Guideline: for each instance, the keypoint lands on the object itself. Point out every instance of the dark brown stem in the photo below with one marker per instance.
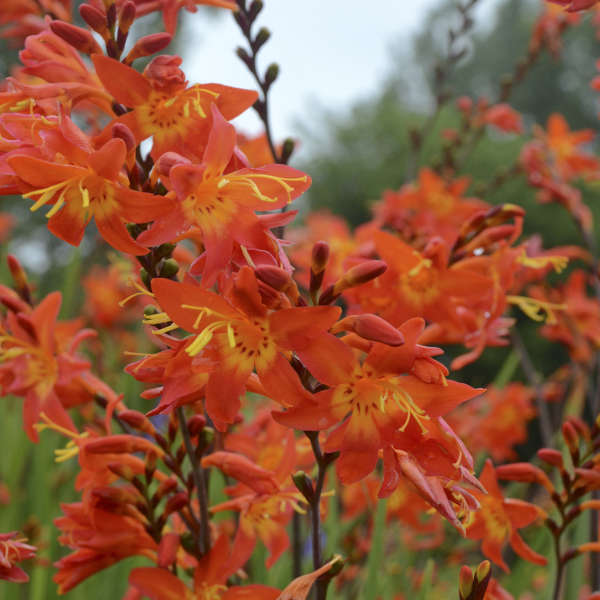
(245, 17)
(323, 462)
(199, 482)
(296, 546)
(560, 569)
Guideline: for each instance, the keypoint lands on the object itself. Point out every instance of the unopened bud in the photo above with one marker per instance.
(165, 250)
(81, 39)
(261, 38)
(271, 74)
(169, 268)
(464, 104)
(287, 149)
(150, 310)
(145, 277)
(304, 484)
(148, 45)
(276, 277)
(254, 9)
(120, 444)
(279, 279)
(127, 16)
(167, 549)
(94, 17)
(196, 424)
(122, 132)
(165, 487)
(122, 471)
(19, 277)
(168, 160)
(524, 472)
(243, 55)
(571, 438)
(175, 503)
(320, 257)
(465, 583)
(362, 273)
(370, 327)
(483, 570)
(207, 437)
(551, 456)
(137, 420)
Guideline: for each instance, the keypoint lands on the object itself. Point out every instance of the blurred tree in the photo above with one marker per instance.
(354, 157)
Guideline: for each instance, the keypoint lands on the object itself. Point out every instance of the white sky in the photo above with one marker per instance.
(330, 52)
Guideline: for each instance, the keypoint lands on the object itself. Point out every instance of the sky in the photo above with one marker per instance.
(330, 52)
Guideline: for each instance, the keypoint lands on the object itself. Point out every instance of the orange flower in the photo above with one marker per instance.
(241, 335)
(177, 118)
(222, 203)
(498, 519)
(12, 551)
(90, 184)
(374, 400)
(419, 284)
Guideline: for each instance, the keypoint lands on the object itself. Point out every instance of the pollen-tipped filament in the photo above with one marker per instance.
(404, 401)
(47, 193)
(71, 449)
(206, 335)
(282, 181)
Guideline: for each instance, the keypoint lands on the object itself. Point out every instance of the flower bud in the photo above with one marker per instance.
(261, 38)
(304, 484)
(137, 420)
(81, 39)
(196, 424)
(524, 472)
(371, 327)
(127, 16)
(243, 470)
(147, 45)
(167, 549)
(122, 132)
(175, 503)
(287, 149)
(169, 268)
(19, 277)
(120, 444)
(94, 17)
(279, 279)
(551, 456)
(271, 74)
(168, 160)
(571, 438)
(465, 583)
(165, 488)
(362, 273)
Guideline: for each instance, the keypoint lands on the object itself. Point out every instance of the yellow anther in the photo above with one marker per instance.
(186, 110)
(71, 449)
(157, 319)
(141, 291)
(85, 195)
(559, 263)
(405, 402)
(423, 263)
(537, 310)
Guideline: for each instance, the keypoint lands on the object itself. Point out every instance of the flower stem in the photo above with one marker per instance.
(323, 462)
(199, 482)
